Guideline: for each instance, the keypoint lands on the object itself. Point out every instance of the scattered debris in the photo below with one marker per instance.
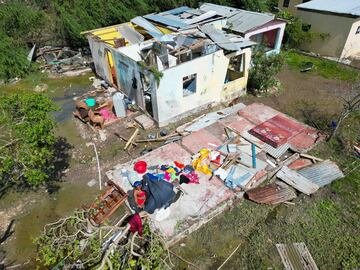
(296, 257)
(131, 139)
(277, 130)
(274, 193)
(144, 121)
(297, 181)
(60, 60)
(227, 164)
(306, 66)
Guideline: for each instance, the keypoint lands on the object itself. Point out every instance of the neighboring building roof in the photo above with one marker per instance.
(239, 20)
(346, 7)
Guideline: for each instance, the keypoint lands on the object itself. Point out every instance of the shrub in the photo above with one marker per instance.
(263, 71)
(296, 32)
(13, 61)
(27, 140)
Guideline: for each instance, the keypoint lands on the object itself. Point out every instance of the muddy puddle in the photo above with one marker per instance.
(45, 208)
(66, 102)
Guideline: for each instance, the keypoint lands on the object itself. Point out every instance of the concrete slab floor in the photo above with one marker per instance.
(199, 201)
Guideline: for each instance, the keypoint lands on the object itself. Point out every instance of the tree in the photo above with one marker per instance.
(74, 242)
(350, 106)
(255, 5)
(26, 140)
(296, 32)
(20, 25)
(263, 71)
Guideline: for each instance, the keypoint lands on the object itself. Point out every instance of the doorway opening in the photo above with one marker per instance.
(111, 67)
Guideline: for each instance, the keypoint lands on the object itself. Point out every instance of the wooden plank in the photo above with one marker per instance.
(131, 139)
(297, 181)
(305, 255)
(296, 256)
(311, 157)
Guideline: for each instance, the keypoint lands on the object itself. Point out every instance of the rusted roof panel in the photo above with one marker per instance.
(296, 257)
(322, 173)
(272, 194)
(297, 181)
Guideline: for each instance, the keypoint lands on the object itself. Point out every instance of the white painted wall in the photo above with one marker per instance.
(98, 53)
(211, 71)
(279, 37)
(131, 51)
(352, 45)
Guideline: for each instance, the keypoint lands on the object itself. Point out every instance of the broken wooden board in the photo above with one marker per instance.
(297, 181)
(144, 121)
(296, 256)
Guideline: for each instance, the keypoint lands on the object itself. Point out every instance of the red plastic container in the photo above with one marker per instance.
(140, 166)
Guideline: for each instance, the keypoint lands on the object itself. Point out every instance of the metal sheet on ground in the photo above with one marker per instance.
(297, 181)
(322, 173)
(277, 130)
(273, 193)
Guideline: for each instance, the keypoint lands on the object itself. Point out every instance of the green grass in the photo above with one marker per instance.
(323, 67)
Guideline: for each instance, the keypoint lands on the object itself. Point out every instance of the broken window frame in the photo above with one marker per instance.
(187, 80)
(238, 70)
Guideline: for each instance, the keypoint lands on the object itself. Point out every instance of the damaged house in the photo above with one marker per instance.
(178, 61)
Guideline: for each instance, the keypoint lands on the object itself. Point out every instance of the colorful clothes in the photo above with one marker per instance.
(136, 224)
(140, 197)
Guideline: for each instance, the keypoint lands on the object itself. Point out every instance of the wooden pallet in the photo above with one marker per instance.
(107, 203)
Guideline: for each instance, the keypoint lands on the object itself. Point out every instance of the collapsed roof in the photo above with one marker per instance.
(239, 20)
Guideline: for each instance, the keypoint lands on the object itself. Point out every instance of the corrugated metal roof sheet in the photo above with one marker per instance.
(297, 181)
(130, 34)
(148, 26)
(221, 10)
(276, 152)
(322, 173)
(166, 21)
(351, 7)
(219, 37)
(272, 194)
(296, 256)
(244, 21)
(177, 10)
(239, 20)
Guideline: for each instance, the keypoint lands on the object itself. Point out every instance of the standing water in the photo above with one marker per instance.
(41, 207)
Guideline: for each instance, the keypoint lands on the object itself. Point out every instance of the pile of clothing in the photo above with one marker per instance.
(154, 186)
